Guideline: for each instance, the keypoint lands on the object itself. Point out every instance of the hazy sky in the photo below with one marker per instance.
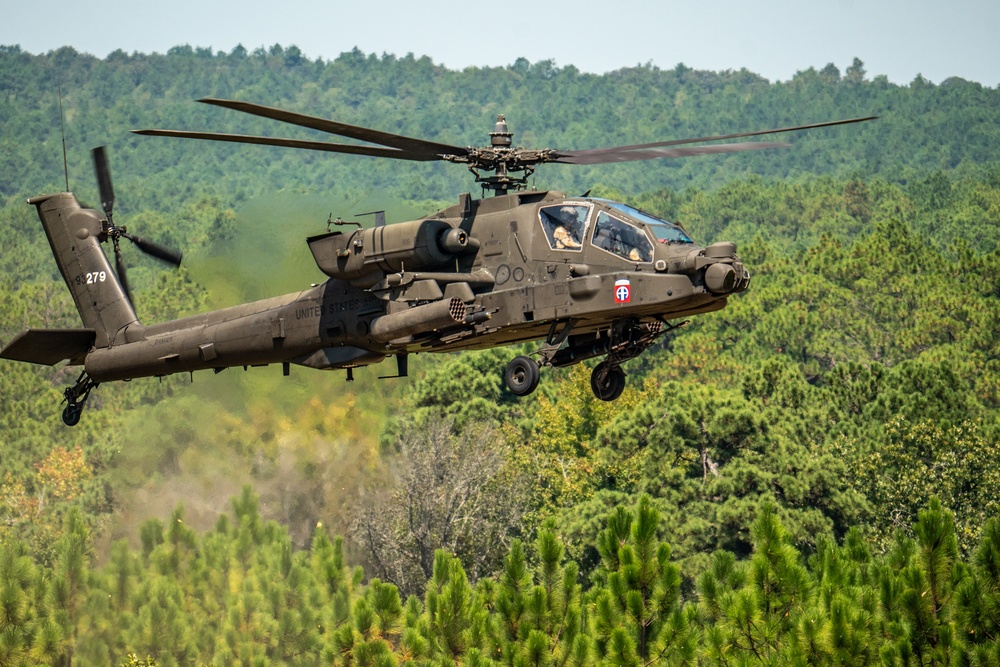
(774, 38)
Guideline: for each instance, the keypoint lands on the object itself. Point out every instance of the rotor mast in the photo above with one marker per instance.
(502, 159)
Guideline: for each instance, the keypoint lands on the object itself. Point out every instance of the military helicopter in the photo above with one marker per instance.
(585, 276)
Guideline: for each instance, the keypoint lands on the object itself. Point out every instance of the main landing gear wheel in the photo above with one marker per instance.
(71, 414)
(521, 375)
(608, 382)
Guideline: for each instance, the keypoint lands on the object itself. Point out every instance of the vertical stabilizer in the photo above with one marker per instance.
(75, 235)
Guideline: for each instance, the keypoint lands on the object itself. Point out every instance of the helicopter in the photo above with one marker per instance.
(585, 276)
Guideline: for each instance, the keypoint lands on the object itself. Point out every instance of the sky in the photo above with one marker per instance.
(774, 38)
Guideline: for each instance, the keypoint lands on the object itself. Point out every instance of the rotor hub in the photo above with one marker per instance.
(500, 137)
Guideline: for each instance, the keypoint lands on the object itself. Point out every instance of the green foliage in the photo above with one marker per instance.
(464, 387)
(208, 599)
(978, 600)
(29, 631)
(920, 459)
(638, 615)
(757, 611)
(785, 447)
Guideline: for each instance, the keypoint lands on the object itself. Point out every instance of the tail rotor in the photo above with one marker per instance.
(116, 232)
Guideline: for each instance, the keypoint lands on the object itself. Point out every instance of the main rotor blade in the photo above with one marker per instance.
(398, 141)
(104, 179)
(158, 251)
(720, 137)
(624, 154)
(374, 151)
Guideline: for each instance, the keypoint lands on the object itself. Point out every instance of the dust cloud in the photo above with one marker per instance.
(307, 443)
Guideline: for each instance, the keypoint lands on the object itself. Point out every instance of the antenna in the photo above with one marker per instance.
(379, 217)
(62, 130)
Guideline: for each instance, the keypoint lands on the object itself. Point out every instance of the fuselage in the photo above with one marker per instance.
(479, 274)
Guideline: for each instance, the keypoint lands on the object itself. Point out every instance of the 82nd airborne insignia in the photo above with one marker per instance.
(623, 291)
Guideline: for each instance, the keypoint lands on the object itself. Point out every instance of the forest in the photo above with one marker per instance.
(806, 477)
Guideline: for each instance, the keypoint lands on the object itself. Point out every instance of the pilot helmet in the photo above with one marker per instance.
(569, 216)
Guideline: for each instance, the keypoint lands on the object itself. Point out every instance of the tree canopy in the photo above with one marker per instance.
(807, 476)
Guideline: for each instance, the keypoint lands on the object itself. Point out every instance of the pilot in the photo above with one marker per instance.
(637, 255)
(632, 246)
(567, 235)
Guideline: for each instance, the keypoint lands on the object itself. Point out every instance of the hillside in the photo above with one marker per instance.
(794, 438)
(923, 127)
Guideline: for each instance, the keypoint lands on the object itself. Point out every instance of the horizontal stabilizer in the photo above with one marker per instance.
(49, 346)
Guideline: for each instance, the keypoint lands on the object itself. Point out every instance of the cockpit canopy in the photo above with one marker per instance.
(616, 228)
(667, 232)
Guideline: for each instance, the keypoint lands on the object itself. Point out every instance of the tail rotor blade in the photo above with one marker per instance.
(158, 251)
(115, 232)
(122, 275)
(104, 179)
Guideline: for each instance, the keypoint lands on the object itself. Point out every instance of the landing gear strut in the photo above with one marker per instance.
(625, 339)
(522, 373)
(628, 339)
(75, 397)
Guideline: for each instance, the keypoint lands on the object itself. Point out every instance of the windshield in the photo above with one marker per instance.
(668, 232)
(621, 238)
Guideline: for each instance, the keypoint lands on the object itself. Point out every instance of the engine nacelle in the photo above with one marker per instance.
(409, 246)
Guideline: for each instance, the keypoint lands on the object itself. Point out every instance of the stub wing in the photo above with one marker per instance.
(50, 346)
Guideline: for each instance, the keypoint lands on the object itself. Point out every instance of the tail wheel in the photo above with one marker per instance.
(75, 397)
(607, 382)
(522, 375)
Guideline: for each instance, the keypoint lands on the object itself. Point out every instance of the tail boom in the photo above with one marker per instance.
(75, 235)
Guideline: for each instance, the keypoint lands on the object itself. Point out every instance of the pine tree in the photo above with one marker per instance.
(29, 633)
(69, 585)
(638, 617)
(918, 584)
(756, 606)
(977, 601)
